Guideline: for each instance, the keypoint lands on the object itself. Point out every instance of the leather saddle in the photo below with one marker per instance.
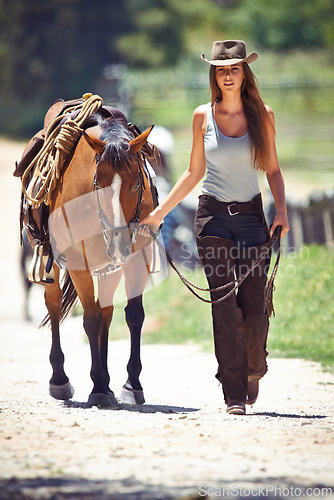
(58, 108)
(35, 144)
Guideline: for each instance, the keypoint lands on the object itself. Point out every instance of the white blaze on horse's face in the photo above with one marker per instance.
(119, 246)
(115, 201)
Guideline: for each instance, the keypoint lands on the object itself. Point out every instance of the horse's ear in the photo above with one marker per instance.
(94, 143)
(139, 141)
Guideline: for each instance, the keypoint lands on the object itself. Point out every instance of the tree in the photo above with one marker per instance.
(58, 45)
(287, 25)
(58, 48)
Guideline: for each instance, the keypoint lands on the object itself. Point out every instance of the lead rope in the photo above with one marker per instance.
(270, 287)
(58, 144)
(236, 284)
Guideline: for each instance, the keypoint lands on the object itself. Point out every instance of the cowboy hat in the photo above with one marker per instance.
(229, 52)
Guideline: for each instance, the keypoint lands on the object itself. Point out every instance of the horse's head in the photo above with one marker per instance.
(122, 188)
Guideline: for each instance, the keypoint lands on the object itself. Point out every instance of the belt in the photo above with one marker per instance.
(235, 207)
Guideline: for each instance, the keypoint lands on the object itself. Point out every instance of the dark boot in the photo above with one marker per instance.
(250, 299)
(217, 255)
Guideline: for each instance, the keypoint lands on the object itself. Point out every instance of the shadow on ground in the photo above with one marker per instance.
(287, 415)
(131, 489)
(134, 408)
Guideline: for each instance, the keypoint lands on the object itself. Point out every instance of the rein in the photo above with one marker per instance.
(236, 283)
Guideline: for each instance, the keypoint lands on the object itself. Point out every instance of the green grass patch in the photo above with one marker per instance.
(170, 316)
(304, 304)
(304, 299)
(175, 315)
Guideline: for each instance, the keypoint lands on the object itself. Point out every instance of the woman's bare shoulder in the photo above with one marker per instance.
(200, 118)
(270, 113)
(201, 110)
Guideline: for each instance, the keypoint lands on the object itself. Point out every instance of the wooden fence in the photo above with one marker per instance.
(310, 222)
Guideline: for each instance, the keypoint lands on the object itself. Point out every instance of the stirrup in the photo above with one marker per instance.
(38, 269)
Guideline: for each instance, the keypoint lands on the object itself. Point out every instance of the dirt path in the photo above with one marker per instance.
(180, 443)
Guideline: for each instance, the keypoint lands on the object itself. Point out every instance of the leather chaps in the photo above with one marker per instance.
(240, 326)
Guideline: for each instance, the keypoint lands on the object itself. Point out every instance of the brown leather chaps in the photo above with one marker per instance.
(240, 325)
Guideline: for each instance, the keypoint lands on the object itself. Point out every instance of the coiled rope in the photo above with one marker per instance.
(58, 144)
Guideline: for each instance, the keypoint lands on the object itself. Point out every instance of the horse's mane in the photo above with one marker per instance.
(117, 137)
(117, 133)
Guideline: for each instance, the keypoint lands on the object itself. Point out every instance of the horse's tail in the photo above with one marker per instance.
(70, 297)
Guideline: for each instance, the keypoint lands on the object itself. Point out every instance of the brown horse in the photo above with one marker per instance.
(94, 212)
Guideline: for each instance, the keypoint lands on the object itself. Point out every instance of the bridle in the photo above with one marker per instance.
(132, 225)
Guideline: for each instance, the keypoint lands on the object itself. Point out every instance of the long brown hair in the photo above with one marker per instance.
(257, 117)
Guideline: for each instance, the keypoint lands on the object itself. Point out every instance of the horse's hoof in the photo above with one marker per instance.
(132, 396)
(63, 392)
(100, 399)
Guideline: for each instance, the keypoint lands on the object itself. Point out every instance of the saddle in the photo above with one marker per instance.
(57, 108)
(35, 144)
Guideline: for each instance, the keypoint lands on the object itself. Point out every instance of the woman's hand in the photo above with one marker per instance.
(281, 219)
(149, 224)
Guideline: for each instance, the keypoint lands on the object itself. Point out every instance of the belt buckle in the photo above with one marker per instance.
(229, 209)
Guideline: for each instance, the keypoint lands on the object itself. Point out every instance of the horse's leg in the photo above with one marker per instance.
(94, 325)
(59, 386)
(110, 284)
(132, 391)
(104, 339)
(136, 274)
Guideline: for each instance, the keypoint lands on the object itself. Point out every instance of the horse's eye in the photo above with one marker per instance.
(136, 186)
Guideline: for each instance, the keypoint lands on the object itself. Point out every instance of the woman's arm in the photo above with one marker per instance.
(188, 180)
(276, 182)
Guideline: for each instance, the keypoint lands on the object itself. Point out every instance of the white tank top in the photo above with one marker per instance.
(229, 172)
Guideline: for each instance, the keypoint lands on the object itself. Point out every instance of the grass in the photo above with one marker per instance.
(305, 307)
(304, 304)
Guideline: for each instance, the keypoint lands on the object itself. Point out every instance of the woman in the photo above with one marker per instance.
(233, 138)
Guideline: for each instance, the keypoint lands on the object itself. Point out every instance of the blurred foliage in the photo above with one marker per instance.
(285, 25)
(53, 49)
(301, 95)
(64, 48)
